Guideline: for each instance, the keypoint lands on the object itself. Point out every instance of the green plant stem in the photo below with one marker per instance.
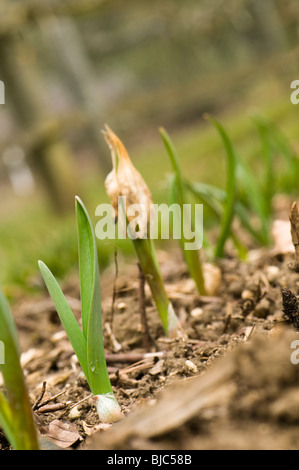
(149, 264)
(192, 257)
(229, 209)
(67, 318)
(195, 268)
(15, 409)
(254, 199)
(215, 199)
(268, 180)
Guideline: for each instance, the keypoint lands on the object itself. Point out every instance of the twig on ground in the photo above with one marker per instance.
(51, 407)
(140, 366)
(249, 332)
(131, 357)
(116, 346)
(75, 404)
(228, 317)
(114, 295)
(46, 406)
(294, 220)
(40, 397)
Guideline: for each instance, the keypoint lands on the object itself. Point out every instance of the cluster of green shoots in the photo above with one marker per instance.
(221, 202)
(244, 195)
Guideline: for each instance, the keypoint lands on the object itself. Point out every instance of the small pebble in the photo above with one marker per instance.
(196, 312)
(74, 413)
(191, 366)
(235, 288)
(157, 368)
(272, 272)
(213, 278)
(121, 306)
(247, 295)
(262, 309)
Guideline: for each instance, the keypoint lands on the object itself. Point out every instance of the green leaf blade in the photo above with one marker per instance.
(15, 410)
(7, 421)
(178, 195)
(86, 261)
(66, 316)
(98, 373)
(231, 189)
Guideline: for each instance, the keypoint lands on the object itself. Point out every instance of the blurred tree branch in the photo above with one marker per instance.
(14, 15)
(67, 53)
(49, 154)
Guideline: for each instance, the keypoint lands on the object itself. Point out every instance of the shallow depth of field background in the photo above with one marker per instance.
(69, 67)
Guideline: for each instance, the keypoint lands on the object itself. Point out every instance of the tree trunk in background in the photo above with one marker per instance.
(70, 59)
(26, 97)
(289, 13)
(271, 24)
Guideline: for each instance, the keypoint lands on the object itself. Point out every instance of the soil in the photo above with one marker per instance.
(238, 331)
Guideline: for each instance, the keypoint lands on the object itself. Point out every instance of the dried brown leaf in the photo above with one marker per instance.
(62, 434)
(89, 430)
(125, 181)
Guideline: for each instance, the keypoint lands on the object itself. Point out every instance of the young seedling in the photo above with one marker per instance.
(256, 194)
(88, 342)
(178, 190)
(250, 200)
(215, 199)
(224, 203)
(16, 416)
(275, 144)
(124, 182)
(229, 209)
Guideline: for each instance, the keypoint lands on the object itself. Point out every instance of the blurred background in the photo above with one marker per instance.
(70, 66)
